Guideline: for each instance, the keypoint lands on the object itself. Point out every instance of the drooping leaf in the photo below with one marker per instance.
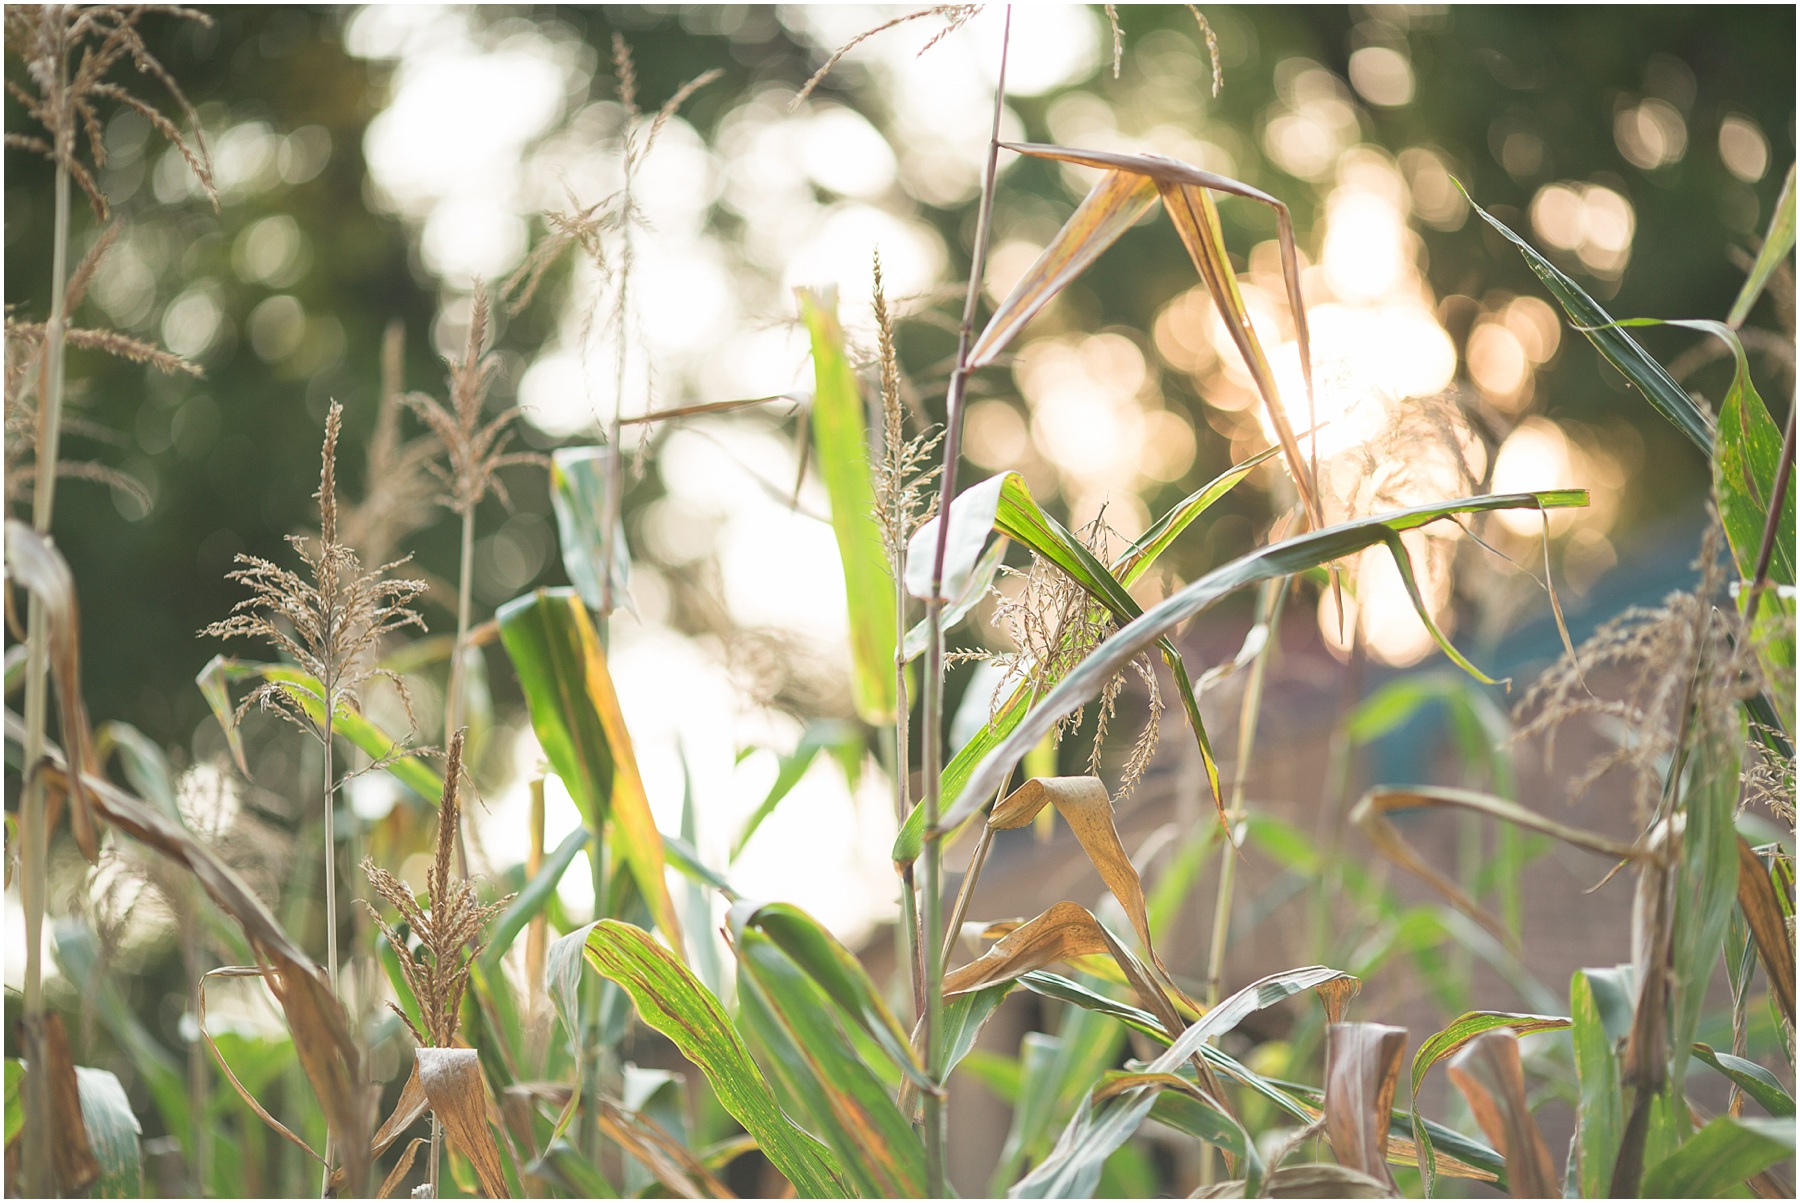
(876, 1146)
(1370, 814)
(668, 1160)
(1086, 807)
(840, 440)
(578, 488)
(1111, 207)
(1362, 1071)
(979, 579)
(1282, 559)
(1186, 194)
(1065, 930)
(674, 1002)
(1620, 350)
(113, 1134)
(1719, 1157)
(576, 714)
(315, 1018)
(1073, 1167)
(1488, 1073)
(34, 563)
(1450, 1041)
(1752, 1079)
(1767, 918)
(1778, 244)
(452, 1081)
(819, 735)
(222, 672)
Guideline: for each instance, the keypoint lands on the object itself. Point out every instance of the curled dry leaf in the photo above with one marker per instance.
(1112, 206)
(1186, 193)
(1065, 930)
(1084, 804)
(315, 1018)
(243, 1092)
(1362, 1070)
(1490, 1078)
(71, 1157)
(1768, 926)
(33, 562)
(397, 1175)
(453, 1083)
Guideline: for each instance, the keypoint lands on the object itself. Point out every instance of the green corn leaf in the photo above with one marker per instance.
(841, 443)
(113, 1134)
(15, 1101)
(1004, 503)
(1142, 555)
(532, 899)
(576, 714)
(1746, 450)
(1752, 1079)
(1445, 1043)
(578, 496)
(1777, 245)
(1281, 559)
(1718, 1158)
(672, 1000)
(979, 577)
(1600, 1002)
(819, 735)
(222, 672)
(835, 970)
(849, 1107)
(1706, 881)
(1128, 568)
(1073, 1167)
(1033, 1109)
(1620, 350)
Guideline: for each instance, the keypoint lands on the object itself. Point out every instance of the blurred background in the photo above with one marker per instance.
(373, 164)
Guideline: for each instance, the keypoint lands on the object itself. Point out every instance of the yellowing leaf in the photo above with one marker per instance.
(1110, 208)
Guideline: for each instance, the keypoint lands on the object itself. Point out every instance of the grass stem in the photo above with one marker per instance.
(33, 828)
(932, 739)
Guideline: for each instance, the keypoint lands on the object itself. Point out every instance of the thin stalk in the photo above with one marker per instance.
(1784, 472)
(931, 753)
(331, 949)
(977, 859)
(902, 768)
(198, 1069)
(589, 1051)
(1249, 714)
(453, 704)
(34, 835)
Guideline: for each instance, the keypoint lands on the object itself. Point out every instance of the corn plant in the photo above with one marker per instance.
(840, 1083)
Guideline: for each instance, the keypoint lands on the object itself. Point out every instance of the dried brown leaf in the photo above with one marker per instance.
(1362, 1071)
(33, 562)
(1490, 1077)
(1768, 925)
(453, 1082)
(71, 1159)
(1111, 207)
